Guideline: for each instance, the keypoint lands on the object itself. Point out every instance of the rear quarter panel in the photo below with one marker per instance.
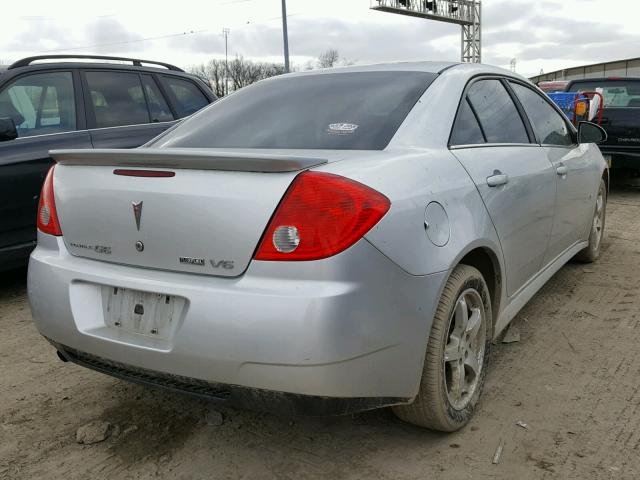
(412, 180)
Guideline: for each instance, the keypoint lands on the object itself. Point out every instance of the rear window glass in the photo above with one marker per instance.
(343, 111)
(616, 93)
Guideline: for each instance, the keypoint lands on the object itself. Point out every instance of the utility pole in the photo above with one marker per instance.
(225, 32)
(285, 35)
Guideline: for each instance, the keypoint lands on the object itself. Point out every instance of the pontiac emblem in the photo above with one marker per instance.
(137, 212)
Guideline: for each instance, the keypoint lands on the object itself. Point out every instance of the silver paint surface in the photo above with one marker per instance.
(351, 325)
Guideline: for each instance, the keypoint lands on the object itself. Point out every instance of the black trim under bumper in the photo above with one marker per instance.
(244, 397)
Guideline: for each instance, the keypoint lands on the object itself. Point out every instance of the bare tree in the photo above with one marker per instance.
(329, 58)
(242, 72)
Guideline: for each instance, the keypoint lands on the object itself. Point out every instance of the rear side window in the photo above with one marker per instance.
(158, 108)
(550, 127)
(188, 97)
(342, 111)
(466, 129)
(40, 104)
(117, 98)
(497, 113)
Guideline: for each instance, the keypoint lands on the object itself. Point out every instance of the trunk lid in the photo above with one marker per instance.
(207, 218)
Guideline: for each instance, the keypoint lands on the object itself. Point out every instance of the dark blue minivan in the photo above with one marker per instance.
(79, 101)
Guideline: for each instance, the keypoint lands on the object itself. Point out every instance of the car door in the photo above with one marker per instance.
(513, 175)
(45, 109)
(572, 165)
(124, 109)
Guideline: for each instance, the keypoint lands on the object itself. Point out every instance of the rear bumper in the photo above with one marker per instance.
(245, 397)
(353, 326)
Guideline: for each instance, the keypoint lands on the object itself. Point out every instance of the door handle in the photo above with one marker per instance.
(561, 170)
(498, 178)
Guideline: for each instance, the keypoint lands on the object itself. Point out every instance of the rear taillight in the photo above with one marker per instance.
(320, 215)
(47, 214)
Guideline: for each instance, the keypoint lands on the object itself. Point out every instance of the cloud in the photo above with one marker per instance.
(538, 34)
(357, 41)
(107, 31)
(40, 34)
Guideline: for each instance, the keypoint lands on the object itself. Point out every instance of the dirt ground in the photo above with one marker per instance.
(573, 378)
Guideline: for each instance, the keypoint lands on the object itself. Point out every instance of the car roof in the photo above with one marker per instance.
(430, 67)
(425, 66)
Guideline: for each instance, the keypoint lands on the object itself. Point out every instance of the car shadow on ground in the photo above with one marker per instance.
(13, 282)
(163, 424)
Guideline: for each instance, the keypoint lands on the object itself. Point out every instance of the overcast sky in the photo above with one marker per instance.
(544, 34)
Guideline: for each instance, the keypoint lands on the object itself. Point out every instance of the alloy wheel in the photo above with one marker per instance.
(465, 348)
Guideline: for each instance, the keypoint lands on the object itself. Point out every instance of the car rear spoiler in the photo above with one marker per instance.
(187, 158)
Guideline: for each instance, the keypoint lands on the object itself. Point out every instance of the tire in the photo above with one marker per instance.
(592, 251)
(440, 404)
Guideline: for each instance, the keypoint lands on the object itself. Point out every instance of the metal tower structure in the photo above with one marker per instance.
(466, 13)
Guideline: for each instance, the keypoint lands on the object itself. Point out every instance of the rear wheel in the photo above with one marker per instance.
(592, 251)
(457, 355)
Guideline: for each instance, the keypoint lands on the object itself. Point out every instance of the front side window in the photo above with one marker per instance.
(498, 115)
(40, 104)
(117, 99)
(188, 98)
(335, 111)
(550, 127)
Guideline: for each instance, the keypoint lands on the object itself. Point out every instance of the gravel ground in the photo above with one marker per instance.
(572, 379)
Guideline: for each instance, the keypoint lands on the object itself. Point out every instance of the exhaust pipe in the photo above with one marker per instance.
(61, 356)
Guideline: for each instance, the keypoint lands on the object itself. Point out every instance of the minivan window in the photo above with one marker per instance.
(550, 127)
(117, 99)
(188, 97)
(40, 103)
(343, 111)
(497, 113)
(466, 129)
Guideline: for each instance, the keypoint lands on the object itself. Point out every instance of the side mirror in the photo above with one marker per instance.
(591, 133)
(8, 129)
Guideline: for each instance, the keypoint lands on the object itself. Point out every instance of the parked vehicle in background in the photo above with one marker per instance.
(51, 102)
(620, 118)
(553, 86)
(321, 242)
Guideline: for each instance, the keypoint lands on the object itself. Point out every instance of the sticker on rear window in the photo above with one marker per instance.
(341, 128)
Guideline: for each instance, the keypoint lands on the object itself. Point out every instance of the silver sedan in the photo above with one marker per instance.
(323, 242)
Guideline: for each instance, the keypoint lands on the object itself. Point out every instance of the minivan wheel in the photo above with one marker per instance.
(592, 251)
(457, 355)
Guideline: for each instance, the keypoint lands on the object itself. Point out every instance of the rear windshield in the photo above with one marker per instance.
(342, 111)
(616, 93)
